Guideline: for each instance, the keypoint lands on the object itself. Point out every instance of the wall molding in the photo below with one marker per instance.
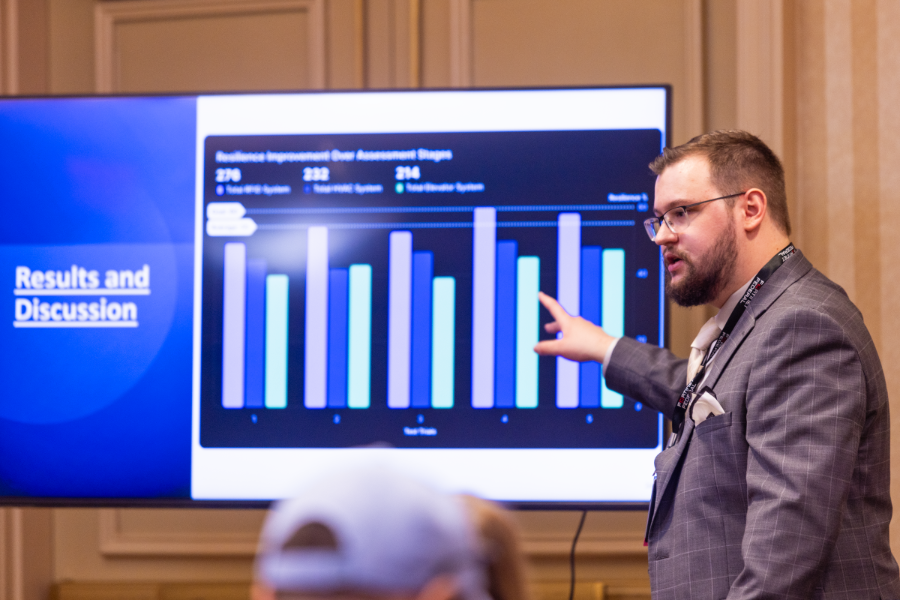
(360, 52)
(461, 51)
(760, 70)
(12, 551)
(9, 47)
(26, 571)
(109, 15)
(415, 43)
(542, 590)
(11, 587)
(462, 56)
(693, 68)
(840, 155)
(596, 545)
(116, 542)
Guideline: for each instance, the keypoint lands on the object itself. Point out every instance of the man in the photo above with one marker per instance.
(370, 534)
(776, 483)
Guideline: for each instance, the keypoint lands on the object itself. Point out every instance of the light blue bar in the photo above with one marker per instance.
(484, 284)
(399, 318)
(315, 356)
(234, 311)
(359, 360)
(568, 290)
(528, 282)
(443, 341)
(276, 341)
(613, 311)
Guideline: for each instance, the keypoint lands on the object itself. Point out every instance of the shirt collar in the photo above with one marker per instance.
(721, 317)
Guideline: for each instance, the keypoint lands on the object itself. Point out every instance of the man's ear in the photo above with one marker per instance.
(441, 587)
(754, 206)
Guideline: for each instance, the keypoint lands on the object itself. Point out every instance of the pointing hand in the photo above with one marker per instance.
(581, 340)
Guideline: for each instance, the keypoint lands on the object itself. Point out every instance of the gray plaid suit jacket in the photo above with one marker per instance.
(786, 494)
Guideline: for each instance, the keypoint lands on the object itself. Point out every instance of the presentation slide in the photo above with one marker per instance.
(376, 284)
(96, 247)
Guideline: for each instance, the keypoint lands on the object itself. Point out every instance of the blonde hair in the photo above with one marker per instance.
(501, 540)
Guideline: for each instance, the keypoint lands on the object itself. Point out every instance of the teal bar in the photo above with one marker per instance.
(359, 348)
(528, 278)
(443, 341)
(613, 318)
(276, 341)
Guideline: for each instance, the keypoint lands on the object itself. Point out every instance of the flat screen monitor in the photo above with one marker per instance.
(218, 298)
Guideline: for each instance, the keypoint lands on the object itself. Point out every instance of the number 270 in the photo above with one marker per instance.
(226, 175)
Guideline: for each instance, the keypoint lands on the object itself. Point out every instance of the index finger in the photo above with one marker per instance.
(548, 347)
(553, 307)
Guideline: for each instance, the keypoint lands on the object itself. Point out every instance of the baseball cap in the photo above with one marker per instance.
(371, 530)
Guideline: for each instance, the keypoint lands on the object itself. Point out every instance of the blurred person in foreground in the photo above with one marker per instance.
(502, 545)
(376, 534)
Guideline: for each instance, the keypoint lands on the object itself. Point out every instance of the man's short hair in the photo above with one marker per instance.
(738, 161)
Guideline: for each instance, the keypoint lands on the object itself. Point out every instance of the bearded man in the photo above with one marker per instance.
(776, 480)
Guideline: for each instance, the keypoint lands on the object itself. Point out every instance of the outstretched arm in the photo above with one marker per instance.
(581, 340)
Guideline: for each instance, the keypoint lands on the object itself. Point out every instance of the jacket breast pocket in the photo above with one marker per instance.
(712, 424)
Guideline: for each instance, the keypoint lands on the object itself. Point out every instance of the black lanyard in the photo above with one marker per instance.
(685, 399)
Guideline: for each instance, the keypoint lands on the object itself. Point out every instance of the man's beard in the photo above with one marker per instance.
(703, 281)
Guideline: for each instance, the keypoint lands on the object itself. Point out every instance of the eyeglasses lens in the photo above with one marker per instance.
(677, 220)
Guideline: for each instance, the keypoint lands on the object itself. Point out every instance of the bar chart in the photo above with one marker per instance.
(254, 343)
(505, 319)
(406, 313)
(337, 329)
(422, 319)
(338, 315)
(591, 283)
(255, 331)
(421, 329)
(505, 315)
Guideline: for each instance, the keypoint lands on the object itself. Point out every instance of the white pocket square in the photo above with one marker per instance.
(703, 405)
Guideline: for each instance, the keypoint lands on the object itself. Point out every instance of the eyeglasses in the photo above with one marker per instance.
(676, 219)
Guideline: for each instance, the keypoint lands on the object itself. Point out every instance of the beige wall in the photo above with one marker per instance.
(848, 184)
(818, 79)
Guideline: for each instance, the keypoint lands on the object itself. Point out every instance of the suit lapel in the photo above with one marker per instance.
(723, 356)
(795, 268)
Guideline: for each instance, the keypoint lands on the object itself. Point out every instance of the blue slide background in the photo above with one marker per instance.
(104, 184)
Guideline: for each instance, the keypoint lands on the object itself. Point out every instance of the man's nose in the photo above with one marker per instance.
(664, 235)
